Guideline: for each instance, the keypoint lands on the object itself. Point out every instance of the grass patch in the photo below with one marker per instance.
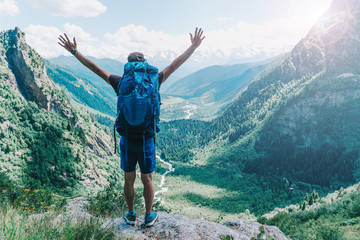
(110, 202)
(336, 220)
(15, 224)
(217, 194)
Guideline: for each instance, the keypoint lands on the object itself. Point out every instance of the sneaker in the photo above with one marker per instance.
(130, 218)
(150, 219)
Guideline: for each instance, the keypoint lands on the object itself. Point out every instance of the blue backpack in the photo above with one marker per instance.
(138, 105)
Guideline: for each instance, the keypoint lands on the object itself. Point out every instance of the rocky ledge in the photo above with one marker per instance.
(169, 226)
(174, 226)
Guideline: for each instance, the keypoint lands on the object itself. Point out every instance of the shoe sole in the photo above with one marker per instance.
(150, 224)
(129, 221)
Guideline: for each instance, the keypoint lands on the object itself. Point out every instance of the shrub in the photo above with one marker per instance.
(327, 232)
(353, 221)
(226, 237)
(111, 201)
(354, 210)
(37, 200)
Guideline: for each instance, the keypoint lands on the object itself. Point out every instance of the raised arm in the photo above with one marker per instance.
(71, 47)
(195, 43)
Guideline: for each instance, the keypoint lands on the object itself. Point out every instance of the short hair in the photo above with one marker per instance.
(136, 57)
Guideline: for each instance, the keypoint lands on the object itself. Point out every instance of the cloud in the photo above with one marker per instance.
(9, 7)
(223, 19)
(74, 30)
(246, 40)
(241, 42)
(44, 39)
(138, 38)
(70, 8)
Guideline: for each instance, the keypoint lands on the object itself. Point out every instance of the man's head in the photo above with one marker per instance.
(136, 57)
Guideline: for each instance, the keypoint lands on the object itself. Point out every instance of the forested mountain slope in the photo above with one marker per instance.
(72, 65)
(45, 141)
(195, 85)
(85, 88)
(300, 120)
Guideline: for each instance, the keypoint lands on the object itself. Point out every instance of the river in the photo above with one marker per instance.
(190, 109)
(162, 186)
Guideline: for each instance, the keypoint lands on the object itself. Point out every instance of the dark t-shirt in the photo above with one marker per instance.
(115, 79)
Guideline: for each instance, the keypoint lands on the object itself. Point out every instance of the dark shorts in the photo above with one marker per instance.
(134, 150)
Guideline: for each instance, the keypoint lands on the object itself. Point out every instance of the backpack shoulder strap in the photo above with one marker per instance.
(153, 73)
(118, 86)
(129, 69)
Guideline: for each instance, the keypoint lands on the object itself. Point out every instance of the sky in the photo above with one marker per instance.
(235, 30)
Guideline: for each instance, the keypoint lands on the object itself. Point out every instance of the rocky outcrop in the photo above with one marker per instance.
(25, 70)
(28, 69)
(75, 211)
(168, 226)
(24, 78)
(99, 143)
(174, 226)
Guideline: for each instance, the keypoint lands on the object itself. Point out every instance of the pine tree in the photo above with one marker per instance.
(7, 149)
(68, 126)
(303, 206)
(306, 198)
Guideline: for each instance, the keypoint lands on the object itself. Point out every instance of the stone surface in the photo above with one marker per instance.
(251, 228)
(75, 211)
(174, 226)
(168, 226)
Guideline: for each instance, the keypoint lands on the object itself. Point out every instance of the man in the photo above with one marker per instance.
(134, 147)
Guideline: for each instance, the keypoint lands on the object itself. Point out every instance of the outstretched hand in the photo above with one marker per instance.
(197, 39)
(66, 43)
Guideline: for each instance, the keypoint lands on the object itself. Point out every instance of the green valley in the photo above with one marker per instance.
(275, 142)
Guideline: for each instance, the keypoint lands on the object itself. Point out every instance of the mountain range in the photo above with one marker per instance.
(201, 95)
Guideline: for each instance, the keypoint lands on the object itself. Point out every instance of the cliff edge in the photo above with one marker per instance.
(175, 226)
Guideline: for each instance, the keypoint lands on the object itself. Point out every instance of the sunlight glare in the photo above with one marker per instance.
(310, 10)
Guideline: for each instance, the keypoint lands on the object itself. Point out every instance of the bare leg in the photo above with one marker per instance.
(148, 191)
(129, 190)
